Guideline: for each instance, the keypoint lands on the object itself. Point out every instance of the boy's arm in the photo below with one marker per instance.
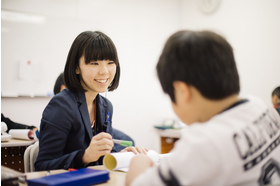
(138, 165)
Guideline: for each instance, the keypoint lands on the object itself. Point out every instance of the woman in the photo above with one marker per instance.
(76, 125)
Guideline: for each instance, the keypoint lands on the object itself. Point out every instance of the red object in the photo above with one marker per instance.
(95, 116)
(71, 169)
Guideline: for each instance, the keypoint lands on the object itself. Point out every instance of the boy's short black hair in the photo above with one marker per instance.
(94, 46)
(202, 59)
(57, 86)
(276, 92)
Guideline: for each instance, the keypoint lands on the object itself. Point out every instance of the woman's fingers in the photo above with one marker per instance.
(102, 139)
(102, 135)
(136, 150)
(141, 150)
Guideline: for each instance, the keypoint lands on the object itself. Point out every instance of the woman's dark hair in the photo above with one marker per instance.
(94, 46)
(276, 91)
(202, 59)
(57, 86)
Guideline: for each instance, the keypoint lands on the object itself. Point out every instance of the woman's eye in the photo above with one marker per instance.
(111, 62)
(93, 63)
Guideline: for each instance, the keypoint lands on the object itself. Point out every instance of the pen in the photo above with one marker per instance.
(122, 142)
(108, 117)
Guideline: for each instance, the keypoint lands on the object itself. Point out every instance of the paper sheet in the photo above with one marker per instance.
(26, 134)
(120, 161)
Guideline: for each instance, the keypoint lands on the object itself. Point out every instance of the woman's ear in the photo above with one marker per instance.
(77, 70)
(182, 91)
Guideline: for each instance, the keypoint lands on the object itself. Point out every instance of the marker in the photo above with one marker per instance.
(123, 142)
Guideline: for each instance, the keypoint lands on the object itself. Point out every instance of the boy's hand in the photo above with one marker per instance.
(138, 165)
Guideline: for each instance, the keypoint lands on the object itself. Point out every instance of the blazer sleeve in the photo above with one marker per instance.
(13, 125)
(58, 118)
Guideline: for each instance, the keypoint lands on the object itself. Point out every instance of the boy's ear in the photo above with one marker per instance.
(62, 87)
(275, 99)
(182, 91)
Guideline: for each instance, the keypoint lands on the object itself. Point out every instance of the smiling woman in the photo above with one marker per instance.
(96, 76)
(76, 127)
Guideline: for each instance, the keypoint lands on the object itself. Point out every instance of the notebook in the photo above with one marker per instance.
(81, 177)
(120, 161)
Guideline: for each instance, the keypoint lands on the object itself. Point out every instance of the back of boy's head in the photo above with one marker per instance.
(276, 92)
(57, 86)
(202, 59)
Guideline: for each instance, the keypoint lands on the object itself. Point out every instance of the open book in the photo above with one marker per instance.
(120, 161)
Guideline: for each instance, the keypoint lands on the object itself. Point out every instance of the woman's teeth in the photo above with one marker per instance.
(101, 81)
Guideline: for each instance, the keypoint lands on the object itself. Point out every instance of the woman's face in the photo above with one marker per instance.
(96, 76)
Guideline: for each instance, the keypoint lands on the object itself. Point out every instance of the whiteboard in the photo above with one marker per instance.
(34, 54)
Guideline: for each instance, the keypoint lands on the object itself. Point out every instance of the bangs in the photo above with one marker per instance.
(100, 48)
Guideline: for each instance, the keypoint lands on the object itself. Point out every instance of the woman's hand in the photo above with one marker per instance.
(136, 150)
(100, 145)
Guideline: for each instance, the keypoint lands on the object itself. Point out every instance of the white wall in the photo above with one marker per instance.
(252, 27)
(139, 30)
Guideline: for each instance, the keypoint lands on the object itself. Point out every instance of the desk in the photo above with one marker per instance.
(168, 138)
(116, 178)
(16, 143)
(12, 153)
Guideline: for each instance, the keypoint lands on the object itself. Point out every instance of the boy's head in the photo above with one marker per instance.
(275, 96)
(203, 60)
(59, 84)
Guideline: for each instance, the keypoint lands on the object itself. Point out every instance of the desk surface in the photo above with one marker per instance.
(16, 142)
(116, 178)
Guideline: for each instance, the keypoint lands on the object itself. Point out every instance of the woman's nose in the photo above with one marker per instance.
(103, 69)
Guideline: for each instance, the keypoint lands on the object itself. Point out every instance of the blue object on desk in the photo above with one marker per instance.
(81, 177)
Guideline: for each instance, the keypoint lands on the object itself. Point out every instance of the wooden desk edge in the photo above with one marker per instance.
(16, 143)
(172, 133)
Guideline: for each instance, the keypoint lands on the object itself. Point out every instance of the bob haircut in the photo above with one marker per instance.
(202, 59)
(94, 46)
(59, 81)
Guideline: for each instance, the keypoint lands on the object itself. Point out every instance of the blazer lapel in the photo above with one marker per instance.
(100, 113)
(84, 113)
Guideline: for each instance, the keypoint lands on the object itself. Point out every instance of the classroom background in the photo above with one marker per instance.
(36, 36)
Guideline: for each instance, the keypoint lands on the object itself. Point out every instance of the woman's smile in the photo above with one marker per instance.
(102, 81)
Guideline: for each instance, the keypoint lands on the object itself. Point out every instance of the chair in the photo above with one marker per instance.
(30, 156)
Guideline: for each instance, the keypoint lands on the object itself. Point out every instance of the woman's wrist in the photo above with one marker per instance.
(85, 158)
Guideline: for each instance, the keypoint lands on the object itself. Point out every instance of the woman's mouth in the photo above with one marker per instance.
(101, 80)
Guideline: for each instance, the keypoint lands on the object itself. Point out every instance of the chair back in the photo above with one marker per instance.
(30, 156)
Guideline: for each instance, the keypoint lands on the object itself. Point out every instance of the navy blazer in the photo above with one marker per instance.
(65, 130)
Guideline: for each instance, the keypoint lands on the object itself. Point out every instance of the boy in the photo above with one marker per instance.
(275, 98)
(230, 140)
